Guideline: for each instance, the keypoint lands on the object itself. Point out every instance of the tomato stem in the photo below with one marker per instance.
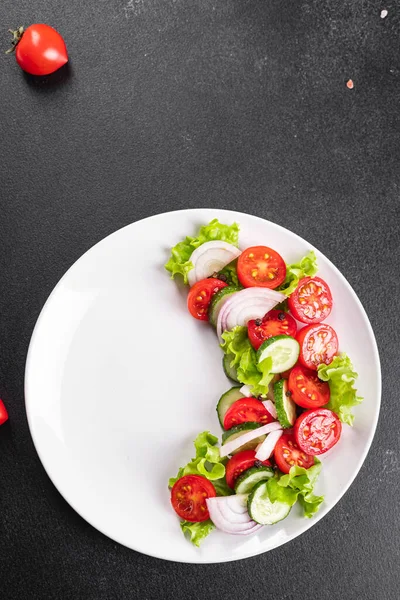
(17, 36)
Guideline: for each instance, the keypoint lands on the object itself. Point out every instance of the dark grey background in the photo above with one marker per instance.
(170, 104)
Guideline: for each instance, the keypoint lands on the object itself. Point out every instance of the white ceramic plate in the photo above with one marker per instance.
(120, 379)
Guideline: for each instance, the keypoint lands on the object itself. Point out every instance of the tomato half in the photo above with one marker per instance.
(275, 322)
(40, 49)
(311, 301)
(318, 344)
(3, 413)
(307, 390)
(188, 497)
(287, 454)
(200, 295)
(246, 410)
(260, 266)
(241, 462)
(316, 431)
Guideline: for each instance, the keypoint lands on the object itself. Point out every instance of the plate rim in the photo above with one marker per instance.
(308, 524)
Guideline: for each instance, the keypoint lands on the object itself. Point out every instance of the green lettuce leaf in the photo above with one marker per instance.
(179, 261)
(230, 273)
(340, 375)
(298, 484)
(306, 267)
(244, 359)
(207, 461)
(197, 531)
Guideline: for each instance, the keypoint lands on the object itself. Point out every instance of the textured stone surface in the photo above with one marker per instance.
(169, 104)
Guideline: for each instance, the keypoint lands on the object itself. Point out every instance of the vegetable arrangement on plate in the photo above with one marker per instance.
(293, 389)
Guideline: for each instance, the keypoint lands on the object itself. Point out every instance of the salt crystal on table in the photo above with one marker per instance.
(384, 13)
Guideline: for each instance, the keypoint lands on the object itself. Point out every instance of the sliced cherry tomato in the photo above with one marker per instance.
(260, 266)
(316, 431)
(3, 413)
(246, 410)
(287, 454)
(188, 497)
(200, 295)
(40, 49)
(308, 391)
(275, 322)
(311, 301)
(318, 344)
(241, 462)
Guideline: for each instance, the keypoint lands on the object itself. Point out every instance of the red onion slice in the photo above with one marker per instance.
(250, 303)
(230, 447)
(270, 406)
(211, 257)
(246, 391)
(268, 445)
(226, 520)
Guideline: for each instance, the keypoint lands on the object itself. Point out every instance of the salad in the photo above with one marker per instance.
(291, 389)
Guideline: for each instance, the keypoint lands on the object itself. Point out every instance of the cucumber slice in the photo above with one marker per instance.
(262, 510)
(226, 401)
(248, 479)
(285, 407)
(284, 351)
(235, 432)
(217, 302)
(230, 372)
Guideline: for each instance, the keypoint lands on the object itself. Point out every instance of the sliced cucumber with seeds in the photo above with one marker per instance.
(226, 401)
(284, 351)
(217, 302)
(239, 430)
(248, 479)
(285, 407)
(230, 371)
(262, 510)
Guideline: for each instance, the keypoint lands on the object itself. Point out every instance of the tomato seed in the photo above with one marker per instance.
(199, 298)
(302, 301)
(271, 276)
(303, 389)
(251, 255)
(266, 256)
(254, 272)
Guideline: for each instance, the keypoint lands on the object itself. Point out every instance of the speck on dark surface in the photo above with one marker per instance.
(170, 104)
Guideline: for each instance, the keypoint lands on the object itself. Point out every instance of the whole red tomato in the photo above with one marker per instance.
(39, 50)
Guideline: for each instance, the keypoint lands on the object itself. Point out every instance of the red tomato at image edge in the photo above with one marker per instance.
(3, 413)
(40, 49)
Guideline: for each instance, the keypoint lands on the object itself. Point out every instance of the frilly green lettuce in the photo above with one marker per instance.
(306, 267)
(243, 357)
(298, 484)
(179, 262)
(340, 375)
